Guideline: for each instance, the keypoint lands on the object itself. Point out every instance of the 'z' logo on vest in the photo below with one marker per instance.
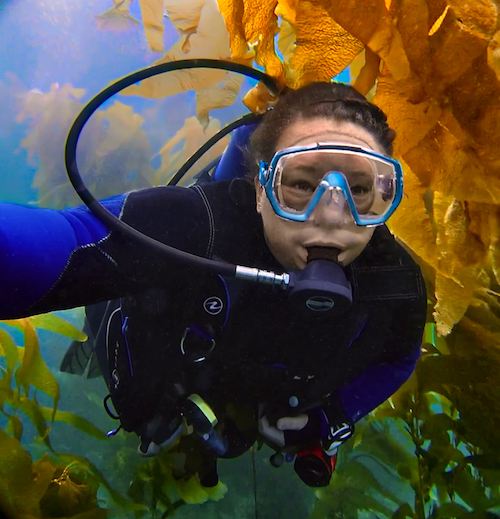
(213, 305)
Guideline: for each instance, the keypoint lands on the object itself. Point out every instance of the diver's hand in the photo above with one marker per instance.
(292, 430)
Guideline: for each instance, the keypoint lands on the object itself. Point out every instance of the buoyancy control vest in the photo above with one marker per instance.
(228, 340)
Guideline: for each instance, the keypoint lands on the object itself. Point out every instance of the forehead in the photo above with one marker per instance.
(309, 131)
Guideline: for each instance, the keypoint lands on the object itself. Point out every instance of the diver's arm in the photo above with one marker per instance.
(51, 260)
(375, 385)
(36, 246)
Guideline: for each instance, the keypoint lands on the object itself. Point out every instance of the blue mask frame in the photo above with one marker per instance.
(333, 179)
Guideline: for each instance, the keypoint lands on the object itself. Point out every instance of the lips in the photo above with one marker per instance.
(328, 253)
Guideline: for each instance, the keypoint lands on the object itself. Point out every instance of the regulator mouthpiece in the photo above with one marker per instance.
(321, 287)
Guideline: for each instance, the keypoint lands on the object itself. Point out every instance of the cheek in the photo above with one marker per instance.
(358, 245)
(281, 237)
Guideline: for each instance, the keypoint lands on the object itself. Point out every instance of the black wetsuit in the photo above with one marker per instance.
(264, 351)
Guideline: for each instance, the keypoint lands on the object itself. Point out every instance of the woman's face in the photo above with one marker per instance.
(327, 226)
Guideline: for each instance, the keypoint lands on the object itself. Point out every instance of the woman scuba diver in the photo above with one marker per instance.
(241, 361)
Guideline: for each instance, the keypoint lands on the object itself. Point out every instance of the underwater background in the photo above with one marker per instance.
(431, 451)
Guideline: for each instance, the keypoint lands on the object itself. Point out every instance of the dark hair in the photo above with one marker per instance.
(318, 100)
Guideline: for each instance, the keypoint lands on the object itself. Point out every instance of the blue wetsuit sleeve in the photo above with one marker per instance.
(36, 246)
(375, 385)
(52, 260)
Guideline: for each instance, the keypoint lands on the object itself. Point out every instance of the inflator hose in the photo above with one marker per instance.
(103, 214)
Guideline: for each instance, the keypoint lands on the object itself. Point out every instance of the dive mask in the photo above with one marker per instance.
(355, 180)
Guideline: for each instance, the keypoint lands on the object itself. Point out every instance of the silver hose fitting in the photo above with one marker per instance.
(262, 276)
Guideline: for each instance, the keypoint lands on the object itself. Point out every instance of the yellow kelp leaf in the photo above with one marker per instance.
(285, 43)
(462, 37)
(437, 24)
(413, 120)
(117, 18)
(494, 54)
(189, 139)
(446, 261)
(9, 350)
(252, 25)
(258, 99)
(411, 223)
(33, 370)
(453, 298)
(56, 324)
(233, 13)
(475, 103)
(152, 21)
(81, 465)
(494, 223)
(323, 48)
(50, 116)
(192, 492)
(217, 96)
(74, 420)
(374, 28)
(463, 244)
(22, 483)
(366, 78)
(70, 496)
(128, 123)
(458, 169)
(210, 39)
(484, 315)
(479, 225)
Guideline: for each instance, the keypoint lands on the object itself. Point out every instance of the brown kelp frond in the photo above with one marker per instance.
(113, 140)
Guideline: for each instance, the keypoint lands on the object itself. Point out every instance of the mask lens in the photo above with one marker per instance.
(370, 181)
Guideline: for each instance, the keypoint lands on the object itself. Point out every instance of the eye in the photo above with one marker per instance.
(360, 190)
(303, 186)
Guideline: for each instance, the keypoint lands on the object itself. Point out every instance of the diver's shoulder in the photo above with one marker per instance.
(161, 201)
(239, 191)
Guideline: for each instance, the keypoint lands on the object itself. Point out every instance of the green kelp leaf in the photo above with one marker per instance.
(56, 324)
(15, 323)
(403, 512)
(15, 426)
(76, 421)
(362, 478)
(33, 411)
(471, 491)
(482, 461)
(385, 450)
(436, 425)
(347, 501)
(433, 374)
(22, 484)
(8, 349)
(33, 370)
(432, 338)
(450, 511)
(441, 454)
(6, 392)
(93, 473)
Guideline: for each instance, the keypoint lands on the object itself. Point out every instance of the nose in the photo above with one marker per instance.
(332, 209)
